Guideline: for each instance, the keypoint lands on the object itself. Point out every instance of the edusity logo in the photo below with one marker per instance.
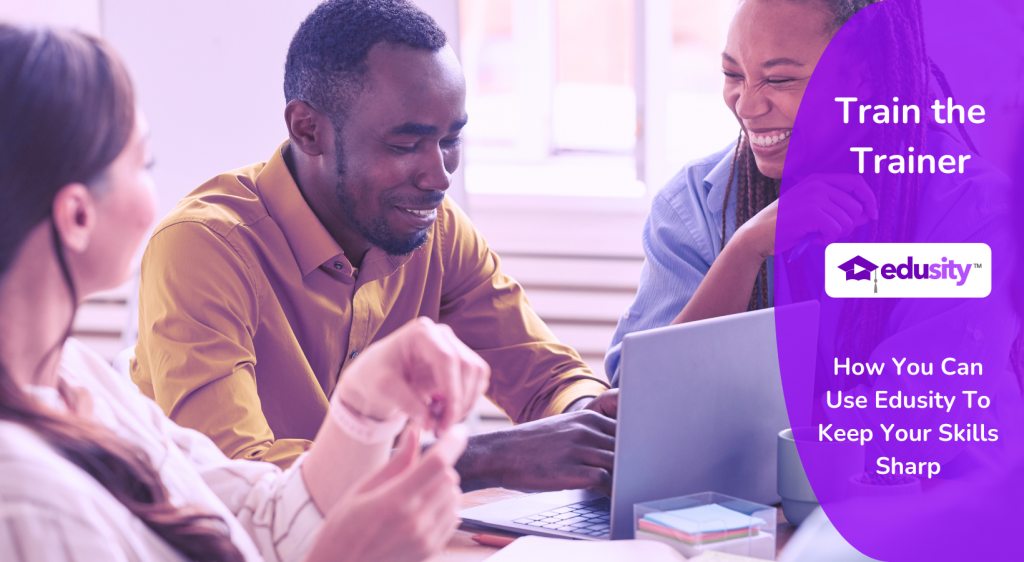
(859, 269)
(908, 270)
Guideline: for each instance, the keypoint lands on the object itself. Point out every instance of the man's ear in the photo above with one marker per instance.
(307, 127)
(74, 216)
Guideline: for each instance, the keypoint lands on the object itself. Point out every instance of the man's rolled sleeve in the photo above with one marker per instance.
(532, 374)
(198, 311)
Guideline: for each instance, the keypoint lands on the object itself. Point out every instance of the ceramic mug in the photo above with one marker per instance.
(842, 459)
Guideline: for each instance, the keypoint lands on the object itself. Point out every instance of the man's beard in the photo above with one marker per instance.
(376, 230)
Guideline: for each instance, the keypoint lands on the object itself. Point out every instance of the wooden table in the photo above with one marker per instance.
(462, 548)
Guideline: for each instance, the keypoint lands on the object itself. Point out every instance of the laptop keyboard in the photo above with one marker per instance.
(588, 519)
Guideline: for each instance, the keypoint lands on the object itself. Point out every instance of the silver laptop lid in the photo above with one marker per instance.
(700, 407)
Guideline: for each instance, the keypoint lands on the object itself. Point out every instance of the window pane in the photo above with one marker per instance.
(700, 122)
(594, 106)
(550, 97)
(488, 59)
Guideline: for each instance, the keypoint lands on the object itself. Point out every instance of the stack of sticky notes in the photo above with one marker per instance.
(701, 525)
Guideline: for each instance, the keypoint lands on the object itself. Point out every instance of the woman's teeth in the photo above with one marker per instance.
(769, 140)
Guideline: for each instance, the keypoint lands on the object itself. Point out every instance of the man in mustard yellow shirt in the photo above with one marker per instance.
(264, 283)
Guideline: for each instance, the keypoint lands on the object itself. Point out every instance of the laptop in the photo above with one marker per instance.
(700, 409)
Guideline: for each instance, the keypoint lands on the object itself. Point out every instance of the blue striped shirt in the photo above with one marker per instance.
(681, 239)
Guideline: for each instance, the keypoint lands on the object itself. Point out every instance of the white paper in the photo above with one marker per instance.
(541, 549)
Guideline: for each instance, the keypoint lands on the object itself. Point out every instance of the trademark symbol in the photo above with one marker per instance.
(977, 266)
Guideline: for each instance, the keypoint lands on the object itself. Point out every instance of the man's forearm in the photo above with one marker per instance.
(489, 455)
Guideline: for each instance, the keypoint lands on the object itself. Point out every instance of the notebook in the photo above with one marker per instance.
(543, 549)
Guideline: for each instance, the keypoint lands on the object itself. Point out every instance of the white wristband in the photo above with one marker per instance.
(366, 430)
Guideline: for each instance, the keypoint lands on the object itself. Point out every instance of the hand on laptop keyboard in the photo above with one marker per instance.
(564, 452)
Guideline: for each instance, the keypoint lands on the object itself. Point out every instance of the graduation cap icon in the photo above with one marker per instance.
(858, 269)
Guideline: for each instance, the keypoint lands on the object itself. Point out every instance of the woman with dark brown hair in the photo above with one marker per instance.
(92, 470)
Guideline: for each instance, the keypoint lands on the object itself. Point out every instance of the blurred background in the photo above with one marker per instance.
(580, 110)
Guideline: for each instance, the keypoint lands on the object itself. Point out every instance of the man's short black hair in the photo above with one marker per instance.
(327, 57)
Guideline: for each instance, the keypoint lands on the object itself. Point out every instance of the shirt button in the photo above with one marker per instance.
(353, 355)
(339, 265)
(626, 314)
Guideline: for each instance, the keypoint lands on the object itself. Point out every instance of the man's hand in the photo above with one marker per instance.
(568, 451)
(606, 404)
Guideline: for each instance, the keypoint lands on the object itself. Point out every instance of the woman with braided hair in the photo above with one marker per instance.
(711, 236)
(92, 470)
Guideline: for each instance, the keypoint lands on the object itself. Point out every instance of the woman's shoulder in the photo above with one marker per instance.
(27, 459)
(117, 402)
(35, 472)
(82, 366)
(47, 503)
(691, 179)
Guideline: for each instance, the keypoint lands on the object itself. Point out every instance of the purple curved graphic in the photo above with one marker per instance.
(921, 103)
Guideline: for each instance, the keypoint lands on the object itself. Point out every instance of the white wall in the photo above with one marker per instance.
(208, 74)
(209, 77)
(79, 14)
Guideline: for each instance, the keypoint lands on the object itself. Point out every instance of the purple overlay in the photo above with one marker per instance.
(910, 422)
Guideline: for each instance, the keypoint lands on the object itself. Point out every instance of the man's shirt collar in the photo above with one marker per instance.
(310, 242)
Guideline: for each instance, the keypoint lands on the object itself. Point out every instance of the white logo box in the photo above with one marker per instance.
(891, 261)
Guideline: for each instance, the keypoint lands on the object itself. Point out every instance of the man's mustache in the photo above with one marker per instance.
(430, 199)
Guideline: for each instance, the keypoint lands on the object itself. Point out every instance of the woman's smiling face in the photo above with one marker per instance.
(770, 53)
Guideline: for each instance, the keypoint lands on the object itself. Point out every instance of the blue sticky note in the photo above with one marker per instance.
(704, 519)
